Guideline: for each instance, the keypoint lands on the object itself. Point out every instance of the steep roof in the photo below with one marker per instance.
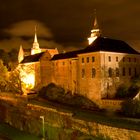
(110, 45)
(100, 44)
(32, 58)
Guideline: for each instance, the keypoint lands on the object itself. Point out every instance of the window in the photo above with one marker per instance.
(123, 71)
(129, 59)
(117, 59)
(83, 73)
(129, 71)
(87, 59)
(63, 63)
(93, 59)
(117, 72)
(93, 72)
(109, 58)
(110, 72)
(123, 59)
(135, 59)
(82, 60)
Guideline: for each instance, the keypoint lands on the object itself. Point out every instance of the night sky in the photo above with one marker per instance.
(66, 24)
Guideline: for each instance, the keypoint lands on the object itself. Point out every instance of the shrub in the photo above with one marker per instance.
(131, 108)
(124, 92)
(52, 92)
(55, 93)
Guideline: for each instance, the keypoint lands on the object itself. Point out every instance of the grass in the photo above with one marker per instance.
(11, 133)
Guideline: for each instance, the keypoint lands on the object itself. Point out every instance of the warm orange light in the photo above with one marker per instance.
(27, 75)
(29, 81)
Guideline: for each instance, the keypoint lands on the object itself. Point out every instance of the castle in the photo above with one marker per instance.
(95, 71)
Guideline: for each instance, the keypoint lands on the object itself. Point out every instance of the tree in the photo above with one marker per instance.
(131, 108)
(3, 76)
(14, 81)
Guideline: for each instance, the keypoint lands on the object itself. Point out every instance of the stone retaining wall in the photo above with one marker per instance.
(60, 125)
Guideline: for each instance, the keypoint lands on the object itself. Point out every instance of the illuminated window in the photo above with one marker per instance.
(129, 59)
(135, 59)
(110, 73)
(123, 59)
(82, 60)
(87, 59)
(117, 72)
(93, 59)
(109, 58)
(93, 72)
(83, 73)
(123, 71)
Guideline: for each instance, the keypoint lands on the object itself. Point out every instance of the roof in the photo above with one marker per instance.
(100, 44)
(110, 45)
(32, 58)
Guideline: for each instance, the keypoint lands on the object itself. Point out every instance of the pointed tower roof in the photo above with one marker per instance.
(95, 25)
(35, 37)
(35, 49)
(35, 43)
(20, 54)
(95, 32)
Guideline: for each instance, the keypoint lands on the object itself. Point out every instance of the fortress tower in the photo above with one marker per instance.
(95, 32)
(35, 49)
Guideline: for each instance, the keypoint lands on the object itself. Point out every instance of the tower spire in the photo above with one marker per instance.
(95, 32)
(35, 49)
(35, 37)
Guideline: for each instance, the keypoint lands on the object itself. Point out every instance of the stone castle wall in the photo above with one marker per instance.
(27, 118)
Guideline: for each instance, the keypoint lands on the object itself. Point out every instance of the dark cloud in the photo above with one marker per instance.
(71, 21)
(27, 28)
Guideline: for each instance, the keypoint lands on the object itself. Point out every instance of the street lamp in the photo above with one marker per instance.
(43, 127)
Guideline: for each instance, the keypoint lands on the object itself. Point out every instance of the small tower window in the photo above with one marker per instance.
(109, 58)
(117, 59)
(93, 59)
(123, 71)
(87, 59)
(82, 60)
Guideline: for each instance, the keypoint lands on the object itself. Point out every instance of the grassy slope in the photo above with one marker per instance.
(15, 134)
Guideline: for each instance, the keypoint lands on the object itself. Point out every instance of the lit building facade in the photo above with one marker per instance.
(94, 72)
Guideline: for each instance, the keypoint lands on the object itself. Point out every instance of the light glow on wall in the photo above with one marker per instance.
(29, 81)
(27, 75)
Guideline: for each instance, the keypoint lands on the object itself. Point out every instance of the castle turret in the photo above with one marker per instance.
(20, 54)
(95, 32)
(35, 49)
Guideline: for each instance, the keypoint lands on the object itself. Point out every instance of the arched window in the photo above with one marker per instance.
(93, 72)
